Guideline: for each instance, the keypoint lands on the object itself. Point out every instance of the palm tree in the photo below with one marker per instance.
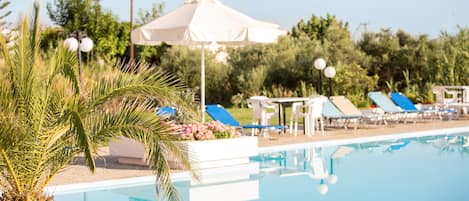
(46, 118)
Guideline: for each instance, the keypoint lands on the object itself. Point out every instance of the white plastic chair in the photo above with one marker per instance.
(316, 163)
(260, 106)
(313, 113)
(296, 111)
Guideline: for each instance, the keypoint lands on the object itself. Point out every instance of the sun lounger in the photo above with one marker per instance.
(331, 112)
(406, 104)
(347, 108)
(219, 113)
(166, 111)
(403, 102)
(390, 109)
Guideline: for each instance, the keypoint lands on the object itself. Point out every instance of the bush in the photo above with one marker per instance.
(184, 63)
(238, 100)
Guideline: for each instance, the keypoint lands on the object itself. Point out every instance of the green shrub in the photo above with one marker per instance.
(237, 100)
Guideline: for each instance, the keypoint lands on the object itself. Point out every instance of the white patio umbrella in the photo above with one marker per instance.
(201, 22)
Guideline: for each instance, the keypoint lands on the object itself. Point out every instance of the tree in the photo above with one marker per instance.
(383, 49)
(46, 118)
(454, 60)
(330, 38)
(71, 14)
(150, 15)
(249, 69)
(111, 37)
(317, 28)
(412, 64)
(151, 54)
(184, 63)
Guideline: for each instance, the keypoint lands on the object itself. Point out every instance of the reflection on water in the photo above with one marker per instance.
(427, 168)
(316, 163)
(234, 183)
(376, 166)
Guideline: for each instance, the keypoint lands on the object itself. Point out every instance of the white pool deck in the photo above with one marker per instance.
(461, 127)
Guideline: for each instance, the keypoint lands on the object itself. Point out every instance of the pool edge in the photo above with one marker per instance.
(180, 176)
(327, 143)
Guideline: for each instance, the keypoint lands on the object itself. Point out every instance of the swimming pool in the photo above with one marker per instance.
(430, 168)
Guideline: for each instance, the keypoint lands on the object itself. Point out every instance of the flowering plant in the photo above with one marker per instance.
(207, 131)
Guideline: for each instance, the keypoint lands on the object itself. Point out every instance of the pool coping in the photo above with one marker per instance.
(110, 184)
(183, 176)
(328, 143)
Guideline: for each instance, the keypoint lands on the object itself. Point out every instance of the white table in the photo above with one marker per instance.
(283, 102)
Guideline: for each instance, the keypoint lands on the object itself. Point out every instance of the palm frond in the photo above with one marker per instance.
(11, 172)
(35, 34)
(149, 83)
(134, 120)
(63, 63)
(82, 138)
(8, 61)
(59, 155)
(163, 176)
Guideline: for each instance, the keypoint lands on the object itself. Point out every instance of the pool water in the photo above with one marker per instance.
(426, 168)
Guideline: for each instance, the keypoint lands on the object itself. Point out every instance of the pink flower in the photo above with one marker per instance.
(208, 131)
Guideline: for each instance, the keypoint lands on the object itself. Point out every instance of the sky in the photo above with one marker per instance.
(414, 16)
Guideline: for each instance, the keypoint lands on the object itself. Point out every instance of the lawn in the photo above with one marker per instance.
(244, 115)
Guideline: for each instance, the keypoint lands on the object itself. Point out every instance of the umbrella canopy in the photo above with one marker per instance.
(200, 22)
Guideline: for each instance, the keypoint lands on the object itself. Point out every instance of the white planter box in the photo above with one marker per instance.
(128, 151)
(232, 183)
(220, 153)
(202, 154)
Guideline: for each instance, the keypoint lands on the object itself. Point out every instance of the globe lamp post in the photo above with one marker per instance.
(320, 64)
(79, 42)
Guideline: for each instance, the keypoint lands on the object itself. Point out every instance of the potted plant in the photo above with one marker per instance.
(207, 145)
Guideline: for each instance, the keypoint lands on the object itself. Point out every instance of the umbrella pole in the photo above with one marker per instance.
(202, 83)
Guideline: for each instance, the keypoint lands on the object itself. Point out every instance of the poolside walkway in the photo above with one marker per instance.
(108, 168)
(340, 133)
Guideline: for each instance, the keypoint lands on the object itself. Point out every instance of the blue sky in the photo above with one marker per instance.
(414, 16)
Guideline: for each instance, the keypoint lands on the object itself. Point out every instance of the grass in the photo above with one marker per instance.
(244, 115)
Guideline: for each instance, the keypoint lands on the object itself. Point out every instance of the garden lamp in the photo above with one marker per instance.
(320, 64)
(329, 72)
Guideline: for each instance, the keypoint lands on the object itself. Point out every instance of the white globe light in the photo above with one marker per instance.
(332, 179)
(322, 189)
(319, 63)
(71, 44)
(86, 44)
(329, 72)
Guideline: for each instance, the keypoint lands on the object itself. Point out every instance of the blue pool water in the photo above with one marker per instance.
(426, 168)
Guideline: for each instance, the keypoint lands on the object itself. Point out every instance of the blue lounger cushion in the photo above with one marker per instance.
(402, 101)
(166, 111)
(219, 113)
(406, 104)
